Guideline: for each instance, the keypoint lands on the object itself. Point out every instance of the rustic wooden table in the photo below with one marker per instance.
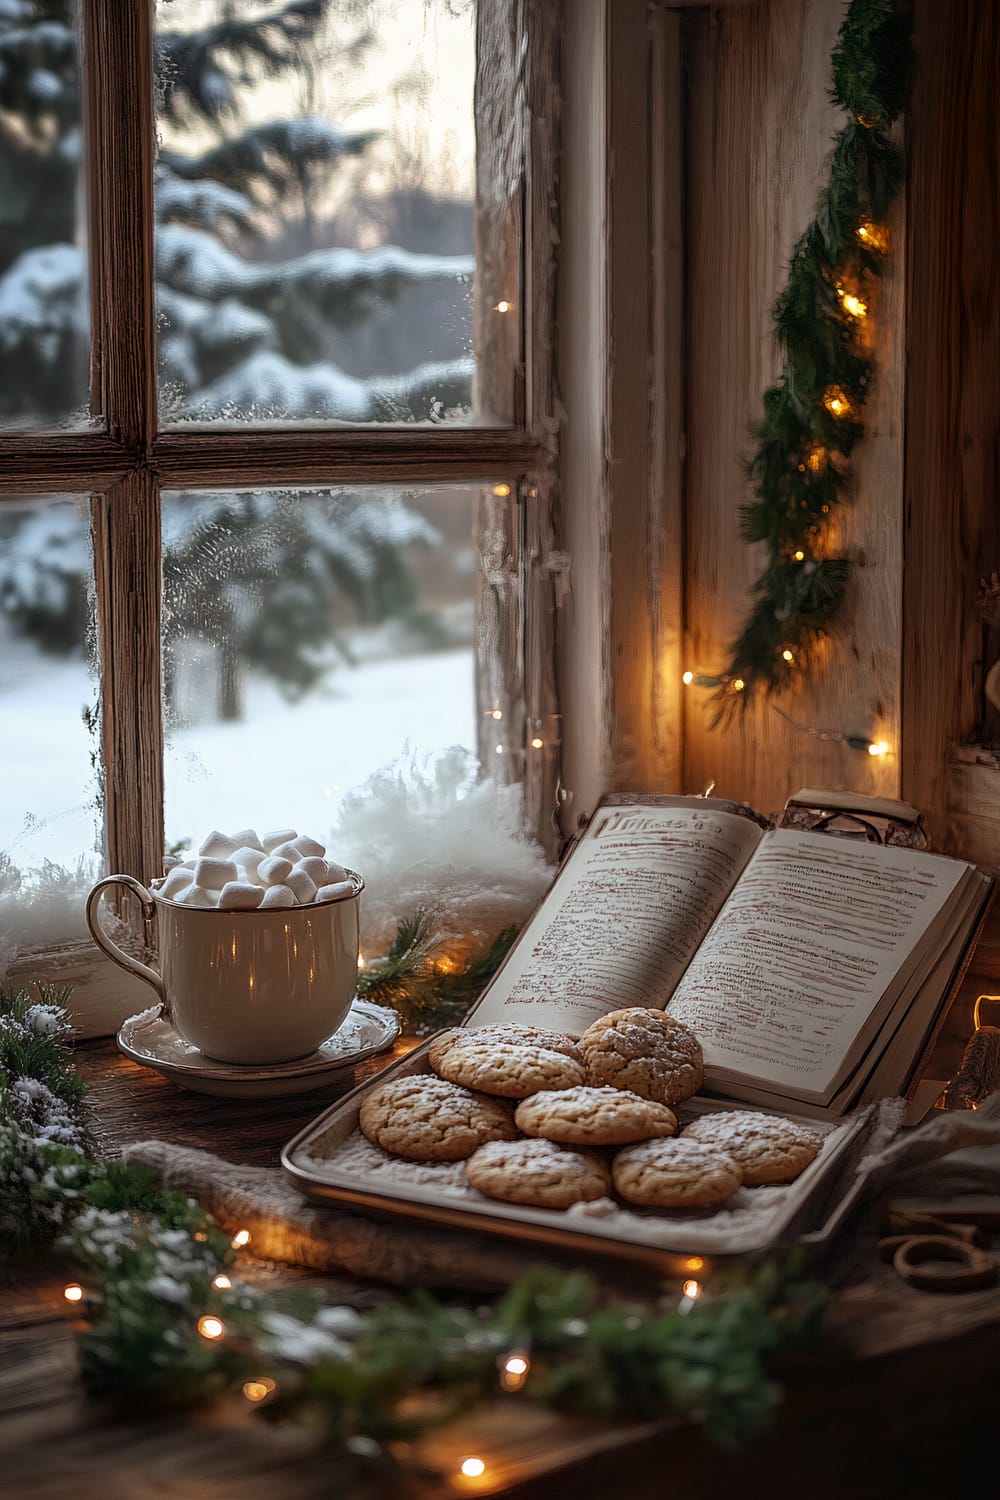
(904, 1409)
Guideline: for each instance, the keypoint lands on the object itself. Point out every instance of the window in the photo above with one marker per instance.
(308, 249)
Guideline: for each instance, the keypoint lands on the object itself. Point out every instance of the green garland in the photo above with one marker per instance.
(429, 990)
(168, 1323)
(813, 415)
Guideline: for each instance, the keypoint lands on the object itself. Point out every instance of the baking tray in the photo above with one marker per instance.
(807, 1211)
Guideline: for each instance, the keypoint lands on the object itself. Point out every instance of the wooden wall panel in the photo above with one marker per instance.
(953, 414)
(760, 125)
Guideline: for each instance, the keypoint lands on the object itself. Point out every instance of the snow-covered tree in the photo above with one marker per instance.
(240, 338)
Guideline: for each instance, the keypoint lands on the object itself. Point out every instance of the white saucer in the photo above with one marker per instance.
(153, 1042)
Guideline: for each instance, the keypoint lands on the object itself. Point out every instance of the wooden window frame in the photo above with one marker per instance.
(126, 460)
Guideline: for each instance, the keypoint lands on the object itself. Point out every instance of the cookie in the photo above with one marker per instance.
(645, 1051)
(589, 1116)
(674, 1174)
(427, 1119)
(538, 1173)
(767, 1147)
(506, 1060)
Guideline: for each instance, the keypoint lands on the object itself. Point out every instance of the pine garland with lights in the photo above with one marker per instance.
(813, 415)
(429, 989)
(169, 1324)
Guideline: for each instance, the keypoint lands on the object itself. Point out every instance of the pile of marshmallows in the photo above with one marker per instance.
(244, 872)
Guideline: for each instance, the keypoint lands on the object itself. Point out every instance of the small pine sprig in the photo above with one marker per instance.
(813, 415)
(429, 991)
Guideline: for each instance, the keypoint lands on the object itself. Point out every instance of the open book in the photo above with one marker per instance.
(812, 967)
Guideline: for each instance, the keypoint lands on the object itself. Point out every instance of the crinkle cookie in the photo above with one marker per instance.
(646, 1051)
(505, 1060)
(674, 1174)
(588, 1116)
(538, 1173)
(426, 1118)
(767, 1147)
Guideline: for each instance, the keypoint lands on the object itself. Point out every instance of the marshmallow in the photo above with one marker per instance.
(196, 895)
(334, 872)
(212, 874)
(288, 851)
(177, 881)
(271, 841)
(335, 892)
(218, 846)
(273, 871)
(248, 859)
(240, 895)
(315, 868)
(278, 895)
(248, 836)
(299, 883)
(307, 846)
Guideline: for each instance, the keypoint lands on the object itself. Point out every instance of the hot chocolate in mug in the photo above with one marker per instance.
(248, 987)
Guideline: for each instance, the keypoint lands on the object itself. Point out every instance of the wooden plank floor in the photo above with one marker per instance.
(905, 1410)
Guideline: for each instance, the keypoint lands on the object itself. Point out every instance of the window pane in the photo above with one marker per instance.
(44, 333)
(315, 211)
(50, 825)
(311, 639)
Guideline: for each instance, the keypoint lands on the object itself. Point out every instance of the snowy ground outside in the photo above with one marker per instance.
(282, 765)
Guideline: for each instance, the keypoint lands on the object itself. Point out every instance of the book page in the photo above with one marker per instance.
(624, 918)
(808, 947)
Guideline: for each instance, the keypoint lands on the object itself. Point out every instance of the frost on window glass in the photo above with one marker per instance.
(44, 332)
(311, 639)
(315, 192)
(50, 823)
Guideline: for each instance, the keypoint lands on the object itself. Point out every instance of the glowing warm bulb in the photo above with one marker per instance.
(472, 1468)
(536, 743)
(514, 1372)
(788, 656)
(221, 1283)
(815, 459)
(853, 305)
(695, 1263)
(259, 1390)
(874, 236)
(799, 555)
(692, 1289)
(211, 1328)
(836, 401)
(240, 1238)
(738, 685)
(502, 490)
(73, 1292)
(502, 306)
(687, 679)
(880, 747)
(361, 959)
(496, 713)
(499, 749)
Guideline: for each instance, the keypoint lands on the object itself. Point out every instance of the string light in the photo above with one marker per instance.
(852, 304)
(836, 401)
(799, 555)
(221, 1282)
(878, 748)
(73, 1292)
(514, 1371)
(495, 713)
(472, 1467)
(873, 236)
(499, 749)
(687, 679)
(240, 1238)
(816, 458)
(788, 656)
(502, 306)
(211, 1328)
(536, 743)
(692, 1289)
(738, 684)
(259, 1389)
(501, 490)
(694, 1263)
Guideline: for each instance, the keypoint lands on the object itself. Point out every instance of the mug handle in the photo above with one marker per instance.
(108, 945)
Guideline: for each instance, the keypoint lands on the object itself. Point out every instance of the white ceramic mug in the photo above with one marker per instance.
(249, 987)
